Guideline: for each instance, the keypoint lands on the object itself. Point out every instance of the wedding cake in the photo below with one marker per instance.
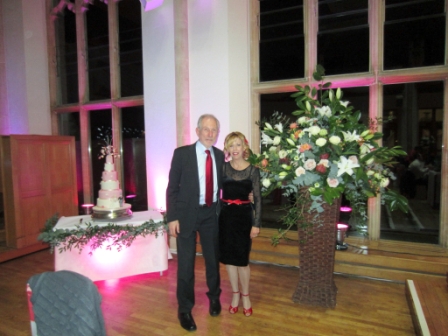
(110, 202)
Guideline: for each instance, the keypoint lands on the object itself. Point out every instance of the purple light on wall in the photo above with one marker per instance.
(151, 4)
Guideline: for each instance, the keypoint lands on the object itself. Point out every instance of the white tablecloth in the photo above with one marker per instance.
(145, 255)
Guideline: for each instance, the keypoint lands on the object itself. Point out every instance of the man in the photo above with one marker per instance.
(190, 210)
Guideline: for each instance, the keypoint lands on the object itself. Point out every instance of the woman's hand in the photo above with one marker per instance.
(254, 232)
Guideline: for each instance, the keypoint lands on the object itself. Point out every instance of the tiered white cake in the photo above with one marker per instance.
(110, 199)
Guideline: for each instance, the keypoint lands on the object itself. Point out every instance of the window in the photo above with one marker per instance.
(98, 78)
(414, 34)
(370, 49)
(343, 38)
(281, 39)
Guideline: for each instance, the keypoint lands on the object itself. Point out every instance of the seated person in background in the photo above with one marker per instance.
(419, 169)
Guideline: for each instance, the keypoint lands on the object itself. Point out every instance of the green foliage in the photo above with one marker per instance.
(108, 236)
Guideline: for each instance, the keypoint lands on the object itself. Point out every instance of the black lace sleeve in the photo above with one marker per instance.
(255, 178)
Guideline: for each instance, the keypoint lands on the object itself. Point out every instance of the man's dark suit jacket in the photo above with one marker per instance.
(182, 193)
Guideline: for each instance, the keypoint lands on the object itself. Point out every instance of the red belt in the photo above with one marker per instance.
(236, 201)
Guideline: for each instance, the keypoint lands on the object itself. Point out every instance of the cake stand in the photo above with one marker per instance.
(123, 212)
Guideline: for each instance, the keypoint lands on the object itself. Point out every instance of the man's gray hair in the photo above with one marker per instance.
(202, 117)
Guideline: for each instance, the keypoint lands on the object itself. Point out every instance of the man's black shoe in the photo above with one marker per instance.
(215, 307)
(187, 322)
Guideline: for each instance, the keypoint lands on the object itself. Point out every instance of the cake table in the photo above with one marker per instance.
(146, 254)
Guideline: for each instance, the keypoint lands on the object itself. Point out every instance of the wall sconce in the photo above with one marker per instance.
(340, 236)
(151, 4)
(87, 208)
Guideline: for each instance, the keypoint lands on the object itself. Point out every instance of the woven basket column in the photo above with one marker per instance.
(316, 285)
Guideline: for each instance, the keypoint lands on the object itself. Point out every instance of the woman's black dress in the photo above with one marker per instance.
(236, 221)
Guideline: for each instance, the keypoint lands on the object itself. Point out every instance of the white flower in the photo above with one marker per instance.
(282, 154)
(303, 120)
(335, 140)
(365, 148)
(300, 171)
(272, 149)
(346, 166)
(323, 132)
(384, 182)
(324, 162)
(266, 183)
(313, 130)
(370, 172)
(266, 139)
(350, 136)
(353, 158)
(332, 182)
(277, 140)
(268, 125)
(310, 164)
(344, 103)
(324, 111)
(279, 126)
(321, 142)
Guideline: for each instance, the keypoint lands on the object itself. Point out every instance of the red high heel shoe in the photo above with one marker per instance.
(233, 310)
(247, 312)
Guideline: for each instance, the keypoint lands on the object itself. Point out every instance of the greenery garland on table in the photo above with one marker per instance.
(111, 235)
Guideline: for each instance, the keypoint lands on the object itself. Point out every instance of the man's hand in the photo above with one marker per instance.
(174, 228)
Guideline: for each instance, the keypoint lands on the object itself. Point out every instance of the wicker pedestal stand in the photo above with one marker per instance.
(316, 286)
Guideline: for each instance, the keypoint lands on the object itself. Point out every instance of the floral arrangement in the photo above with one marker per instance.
(326, 153)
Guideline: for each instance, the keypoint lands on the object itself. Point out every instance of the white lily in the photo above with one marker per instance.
(266, 139)
(324, 111)
(346, 166)
(351, 136)
(279, 127)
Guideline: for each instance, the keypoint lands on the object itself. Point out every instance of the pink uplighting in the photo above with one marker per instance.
(345, 209)
(151, 4)
(131, 196)
(342, 227)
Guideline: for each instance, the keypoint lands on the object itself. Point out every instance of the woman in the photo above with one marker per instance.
(239, 220)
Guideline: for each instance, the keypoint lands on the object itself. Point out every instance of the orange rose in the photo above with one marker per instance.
(293, 126)
(304, 147)
(297, 134)
(264, 163)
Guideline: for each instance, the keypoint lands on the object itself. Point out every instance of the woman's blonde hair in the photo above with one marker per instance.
(230, 138)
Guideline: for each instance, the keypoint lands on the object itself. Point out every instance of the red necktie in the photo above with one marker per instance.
(208, 179)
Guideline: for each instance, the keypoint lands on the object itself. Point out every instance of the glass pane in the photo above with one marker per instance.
(69, 125)
(98, 51)
(414, 34)
(417, 126)
(100, 132)
(284, 103)
(134, 157)
(130, 35)
(282, 46)
(66, 54)
(343, 37)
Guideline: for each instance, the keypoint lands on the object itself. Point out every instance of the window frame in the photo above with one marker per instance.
(375, 79)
